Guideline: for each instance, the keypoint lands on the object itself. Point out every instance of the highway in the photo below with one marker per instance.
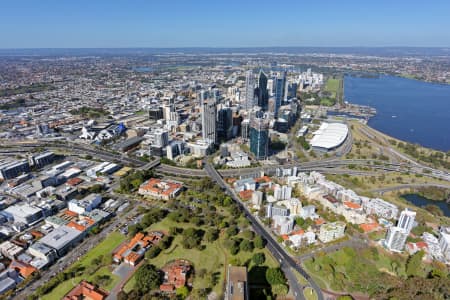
(274, 247)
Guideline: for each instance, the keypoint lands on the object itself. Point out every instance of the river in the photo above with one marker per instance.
(420, 201)
(410, 110)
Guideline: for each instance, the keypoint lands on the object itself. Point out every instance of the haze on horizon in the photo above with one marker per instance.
(177, 23)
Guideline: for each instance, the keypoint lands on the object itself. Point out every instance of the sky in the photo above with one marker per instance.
(223, 23)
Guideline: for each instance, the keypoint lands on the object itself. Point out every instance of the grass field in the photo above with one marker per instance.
(104, 248)
(332, 86)
(350, 270)
(214, 258)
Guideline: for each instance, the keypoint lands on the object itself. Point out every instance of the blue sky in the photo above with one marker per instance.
(220, 23)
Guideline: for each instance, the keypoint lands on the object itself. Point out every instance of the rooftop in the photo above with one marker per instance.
(329, 135)
(86, 290)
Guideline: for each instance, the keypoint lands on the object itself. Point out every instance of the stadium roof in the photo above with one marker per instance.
(329, 135)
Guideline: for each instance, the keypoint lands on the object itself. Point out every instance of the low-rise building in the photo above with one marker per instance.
(86, 290)
(133, 251)
(42, 251)
(86, 204)
(381, 208)
(331, 231)
(175, 275)
(62, 239)
(160, 189)
(237, 284)
(10, 250)
(24, 213)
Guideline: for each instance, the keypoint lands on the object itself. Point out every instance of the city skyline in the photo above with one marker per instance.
(102, 24)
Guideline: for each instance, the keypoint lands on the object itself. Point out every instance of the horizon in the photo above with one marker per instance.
(200, 24)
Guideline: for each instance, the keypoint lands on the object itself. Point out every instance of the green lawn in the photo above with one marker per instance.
(332, 86)
(103, 248)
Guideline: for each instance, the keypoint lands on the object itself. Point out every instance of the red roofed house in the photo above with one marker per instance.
(86, 290)
(160, 189)
(24, 269)
(175, 275)
(368, 227)
(415, 247)
(133, 251)
(246, 194)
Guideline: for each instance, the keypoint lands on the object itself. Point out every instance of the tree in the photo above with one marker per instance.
(248, 234)
(280, 289)
(211, 235)
(147, 278)
(165, 242)
(275, 276)
(182, 292)
(258, 258)
(300, 221)
(414, 263)
(259, 242)
(246, 245)
(122, 295)
(134, 228)
(231, 231)
(153, 252)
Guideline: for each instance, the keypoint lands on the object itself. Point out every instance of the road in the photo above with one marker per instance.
(274, 247)
(409, 186)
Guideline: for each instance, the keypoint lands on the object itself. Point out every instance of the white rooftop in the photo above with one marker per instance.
(329, 135)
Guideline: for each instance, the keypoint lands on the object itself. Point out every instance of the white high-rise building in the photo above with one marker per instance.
(406, 220)
(396, 238)
(444, 242)
(282, 192)
(209, 111)
(249, 90)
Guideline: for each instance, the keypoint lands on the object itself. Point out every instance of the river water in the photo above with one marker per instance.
(410, 110)
(420, 201)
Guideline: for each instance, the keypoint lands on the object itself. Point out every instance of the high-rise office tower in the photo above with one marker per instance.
(209, 111)
(202, 96)
(280, 83)
(245, 129)
(259, 138)
(262, 92)
(406, 220)
(225, 123)
(249, 90)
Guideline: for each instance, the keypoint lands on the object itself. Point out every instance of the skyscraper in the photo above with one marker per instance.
(249, 90)
(209, 111)
(280, 83)
(406, 220)
(259, 138)
(225, 123)
(262, 92)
